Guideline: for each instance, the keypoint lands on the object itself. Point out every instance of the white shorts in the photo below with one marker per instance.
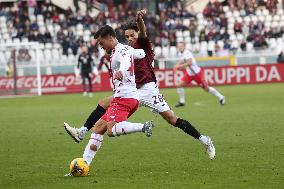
(151, 97)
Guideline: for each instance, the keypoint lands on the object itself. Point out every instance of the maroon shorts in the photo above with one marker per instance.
(198, 78)
(120, 109)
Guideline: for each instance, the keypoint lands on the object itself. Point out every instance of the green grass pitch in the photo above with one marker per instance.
(248, 133)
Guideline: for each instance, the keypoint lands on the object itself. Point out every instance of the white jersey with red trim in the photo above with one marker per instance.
(193, 68)
(122, 59)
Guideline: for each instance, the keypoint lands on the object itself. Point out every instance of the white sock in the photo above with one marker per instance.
(83, 129)
(124, 127)
(214, 92)
(180, 92)
(89, 154)
(203, 139)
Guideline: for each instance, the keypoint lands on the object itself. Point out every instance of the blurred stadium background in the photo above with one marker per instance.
(220, 33)
(236, 41)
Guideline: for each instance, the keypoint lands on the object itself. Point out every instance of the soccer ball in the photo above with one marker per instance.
(79, 168)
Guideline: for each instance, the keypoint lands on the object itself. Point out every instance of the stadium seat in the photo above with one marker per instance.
(173, 51)
(40, 23)
(50, 28)
(40, 17)
(47, 55)
(158, 51)
(267, 24)
(276, 18)
(235, 44)
(32, 53)
(258, 12)
(80, 33)
(268, 18)
(211, 46)
(203, 48)
(3, 60)
(226, 9)
(187, 40)
(3, 26)
(280, 12)
(254, 18)
(61, 17)
(179, 34)
(86, 38)
(231, 20)
(56, 45)
(57, 28)
(188, 46)
(16, 40)
(229, 14)
(239, 19)
(9, 40)
(199, 16)
(233, 37)
(48, 46)
(3, 19)
(179, 39)
(196, 47)
(220, 43)
(236, 13)
(265, 12)
(272, 43)
(231, 26)
(165, 52)
(186, 34)
(7, 55)
(250, 46)
(231, 32)
(87, 33)
(240, 37)
(247, 20)
(275, 24)
(79, 27)
(261, 18)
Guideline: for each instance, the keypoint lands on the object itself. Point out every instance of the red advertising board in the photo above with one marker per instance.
(227, 75)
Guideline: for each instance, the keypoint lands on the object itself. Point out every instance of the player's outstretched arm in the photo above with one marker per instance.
(141, 24)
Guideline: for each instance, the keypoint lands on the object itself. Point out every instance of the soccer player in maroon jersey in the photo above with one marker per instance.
(149, 94)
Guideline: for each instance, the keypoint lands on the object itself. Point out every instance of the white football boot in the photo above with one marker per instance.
(222, 101)
(77, 134)
(210, 148)
(147, 128)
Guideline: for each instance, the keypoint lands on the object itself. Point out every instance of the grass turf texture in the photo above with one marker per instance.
(248, 133)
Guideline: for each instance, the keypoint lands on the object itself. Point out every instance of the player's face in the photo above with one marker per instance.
(106, 43)
(131, 36)
(181, 47)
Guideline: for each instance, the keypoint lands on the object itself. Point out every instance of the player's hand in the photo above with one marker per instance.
(141, 13)
(118, 75)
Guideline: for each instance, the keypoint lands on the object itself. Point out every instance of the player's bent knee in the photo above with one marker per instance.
(105, 102)
(93, 147)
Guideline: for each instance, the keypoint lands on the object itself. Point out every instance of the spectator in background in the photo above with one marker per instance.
(32, 4)
(86, 63)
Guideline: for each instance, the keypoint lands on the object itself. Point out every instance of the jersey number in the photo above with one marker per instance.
(158, 99)
(131, 68)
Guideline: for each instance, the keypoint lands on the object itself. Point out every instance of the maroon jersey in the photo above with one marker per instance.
(105, 60)
(143, 68)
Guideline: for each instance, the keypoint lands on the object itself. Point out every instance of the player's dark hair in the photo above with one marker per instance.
(105, 31)
(131, 25)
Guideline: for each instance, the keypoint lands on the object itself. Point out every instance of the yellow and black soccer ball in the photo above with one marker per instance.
(79, 168)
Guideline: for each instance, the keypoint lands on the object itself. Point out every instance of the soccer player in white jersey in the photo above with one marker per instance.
(192, 72)
(126, 98)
